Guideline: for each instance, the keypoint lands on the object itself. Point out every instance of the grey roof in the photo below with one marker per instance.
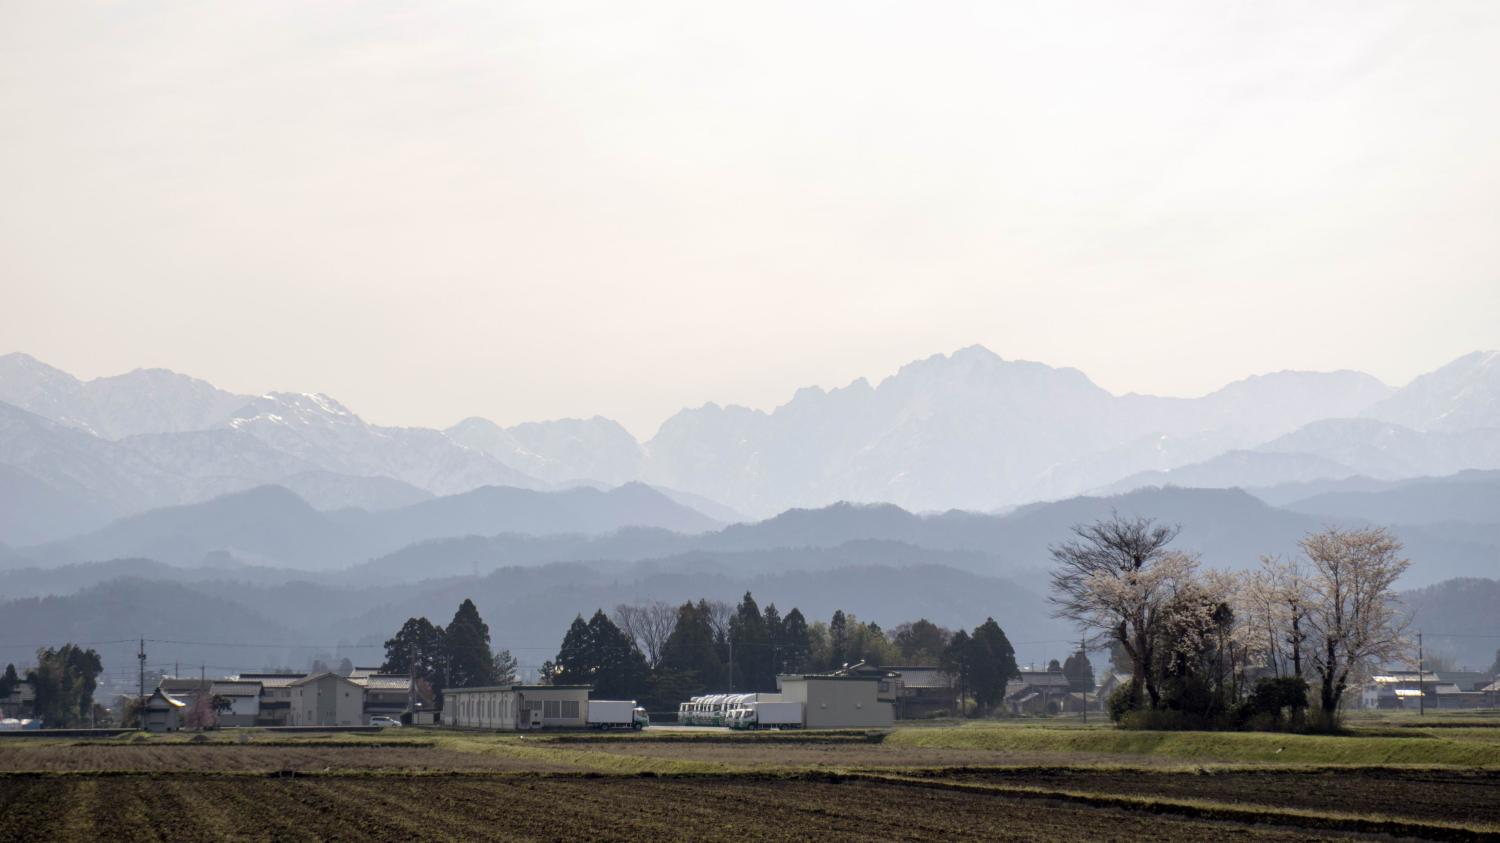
(235, 688)
(165, 697)
(183, 684)
(272, 680)
(314, 677)
(449, 691)
(1042, 678)
(383, 681)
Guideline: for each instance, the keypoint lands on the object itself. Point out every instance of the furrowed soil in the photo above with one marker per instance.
(740, 808)
(747, 755)
(1434, 795)
(225, 757)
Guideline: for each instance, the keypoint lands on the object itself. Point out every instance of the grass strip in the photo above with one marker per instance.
(1210, 746)
(1199, 809)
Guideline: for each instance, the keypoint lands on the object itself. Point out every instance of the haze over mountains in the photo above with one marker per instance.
(285, 518)
(967, 430)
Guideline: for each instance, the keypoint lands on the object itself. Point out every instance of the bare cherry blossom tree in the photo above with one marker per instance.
(1353, 615)
(1113, 579)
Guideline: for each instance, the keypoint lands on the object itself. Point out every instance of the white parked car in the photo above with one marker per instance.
(382, 720)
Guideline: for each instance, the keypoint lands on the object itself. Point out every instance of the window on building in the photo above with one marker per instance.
(552, 709)
(570, 709)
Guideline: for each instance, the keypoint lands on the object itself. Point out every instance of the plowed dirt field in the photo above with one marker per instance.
(208, 807)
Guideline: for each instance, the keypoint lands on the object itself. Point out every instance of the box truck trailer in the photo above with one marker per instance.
(617, 714)
(766, 714)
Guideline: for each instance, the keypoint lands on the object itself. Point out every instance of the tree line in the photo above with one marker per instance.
(1265, 647)
(662, 654)
(64, 681)
(455, 656)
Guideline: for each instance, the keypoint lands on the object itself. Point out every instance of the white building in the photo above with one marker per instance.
(517, 707)
(244, 701)
(838, 702)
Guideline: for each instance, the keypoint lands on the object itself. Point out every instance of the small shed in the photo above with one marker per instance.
(163, 712)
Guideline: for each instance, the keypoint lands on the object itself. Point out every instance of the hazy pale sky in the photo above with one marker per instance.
(534, 210)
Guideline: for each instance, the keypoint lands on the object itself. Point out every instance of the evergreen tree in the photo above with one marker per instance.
(992, 664)
(751, 647)
(774, 633)
(955, 663)
(466, 649)
(838, 640)
(417, 648)
(622, 667)
(600, 655)
(575, 659)
(794, 647)
(1080, 672)
(1054, 666)
(690, 654)
(505, 670)
(9, 681)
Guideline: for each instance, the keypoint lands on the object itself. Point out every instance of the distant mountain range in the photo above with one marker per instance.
(1449, 525)
(272, 526)
(967, 431)
(532, 560)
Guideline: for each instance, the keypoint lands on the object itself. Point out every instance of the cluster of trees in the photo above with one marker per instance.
(455, 656)
(64, 680)
(1216, 648)
(662, 654)
(982, 662)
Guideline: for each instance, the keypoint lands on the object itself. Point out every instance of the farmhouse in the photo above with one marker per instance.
(922, 691)
(21, 704)
(164, 712)
(517, 707)
(1408, 689)
(1038, 692)
(386, 694)
(243, 698)
(275, 704)
(326, 699)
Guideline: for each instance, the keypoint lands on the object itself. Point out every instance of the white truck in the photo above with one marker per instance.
(617, 714)
(766, 714)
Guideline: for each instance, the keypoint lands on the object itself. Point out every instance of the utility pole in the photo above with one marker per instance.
(140, 712)
(1421, 679)
(1081, 644)
(731, 665)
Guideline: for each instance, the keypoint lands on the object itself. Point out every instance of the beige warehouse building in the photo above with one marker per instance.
(326, 699)
(838, 702)
(517, 707)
